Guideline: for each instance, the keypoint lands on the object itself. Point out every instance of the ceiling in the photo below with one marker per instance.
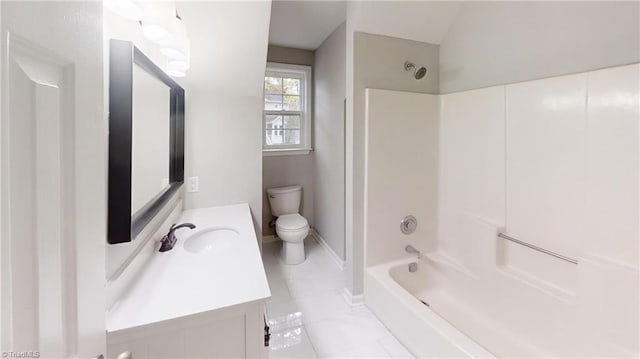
(228, 46)
(304, 24)
(425, 21)
(233, 34)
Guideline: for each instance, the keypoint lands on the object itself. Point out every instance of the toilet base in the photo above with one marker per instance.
(292, 253)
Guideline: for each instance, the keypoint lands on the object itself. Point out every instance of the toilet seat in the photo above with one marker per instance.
(291, 223)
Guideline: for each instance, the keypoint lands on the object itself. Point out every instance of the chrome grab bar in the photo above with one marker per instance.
(545, 251)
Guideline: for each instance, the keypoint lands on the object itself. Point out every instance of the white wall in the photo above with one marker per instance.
(613, 166)
(424, 21)
(349, 227)
(471, 166)
(223, 148)
(491, 43)
(544, 185)
(223, 125)
(401, 162)
(378, 63)
(552, 162)
(329, 140)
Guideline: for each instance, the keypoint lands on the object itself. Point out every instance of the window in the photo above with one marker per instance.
(286, 120)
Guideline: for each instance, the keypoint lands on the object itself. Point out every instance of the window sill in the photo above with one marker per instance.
(286, 152)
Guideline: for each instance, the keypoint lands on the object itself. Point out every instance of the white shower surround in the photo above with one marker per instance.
(512, 158)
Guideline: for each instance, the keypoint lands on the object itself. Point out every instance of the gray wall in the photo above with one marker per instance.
(223, 148)
(289, 55)
(329, 121)
(280, 171)
(378, 63)
(491, 43)
(286, 170)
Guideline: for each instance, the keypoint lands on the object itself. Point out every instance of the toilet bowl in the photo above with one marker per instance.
(291, 227)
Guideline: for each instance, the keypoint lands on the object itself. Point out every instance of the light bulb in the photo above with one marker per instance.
(176, 73)
(177, 68)
(177, 46)
(158, 21)
(182, 65)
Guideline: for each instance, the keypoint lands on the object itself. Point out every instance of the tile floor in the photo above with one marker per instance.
(310, 319)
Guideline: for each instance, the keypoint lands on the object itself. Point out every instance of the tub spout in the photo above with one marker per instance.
(411, 249)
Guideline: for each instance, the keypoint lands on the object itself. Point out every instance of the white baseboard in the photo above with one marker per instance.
(270, 238)
(336, 258)
(352, 300)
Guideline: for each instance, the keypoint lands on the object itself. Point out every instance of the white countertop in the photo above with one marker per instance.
(178, 283)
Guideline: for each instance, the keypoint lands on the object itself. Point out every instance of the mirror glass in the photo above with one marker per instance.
(150, 138)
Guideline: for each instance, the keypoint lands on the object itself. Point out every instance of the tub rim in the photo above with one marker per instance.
(382, 274)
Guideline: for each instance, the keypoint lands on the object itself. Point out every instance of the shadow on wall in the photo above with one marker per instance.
(280, 171)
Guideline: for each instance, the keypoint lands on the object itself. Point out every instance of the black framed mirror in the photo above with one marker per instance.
(146, 140)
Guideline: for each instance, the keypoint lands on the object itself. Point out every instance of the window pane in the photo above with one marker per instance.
(291, 103)
(292, 122)
(291, 137)
(273, 85)
(273, 137)
(273, 122)
(273, 102)
(291, 86)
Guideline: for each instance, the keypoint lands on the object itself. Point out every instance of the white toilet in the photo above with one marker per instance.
(291, 227)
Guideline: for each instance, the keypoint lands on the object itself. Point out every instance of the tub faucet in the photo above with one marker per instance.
(411, 249)
(169, 240)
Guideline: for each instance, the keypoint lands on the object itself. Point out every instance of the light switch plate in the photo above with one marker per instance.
(193, 184)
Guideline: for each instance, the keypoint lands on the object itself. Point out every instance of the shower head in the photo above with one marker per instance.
(418, 72)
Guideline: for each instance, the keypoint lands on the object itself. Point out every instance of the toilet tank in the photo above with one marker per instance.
(284, 200)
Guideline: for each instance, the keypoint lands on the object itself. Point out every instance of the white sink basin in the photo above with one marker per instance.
(211, 240)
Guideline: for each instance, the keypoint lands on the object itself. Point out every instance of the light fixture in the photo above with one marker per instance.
(176, 68)
(182, 65)
(180, 62)
(129, 9)
(158, 21)
(176, 73)
(177, 45)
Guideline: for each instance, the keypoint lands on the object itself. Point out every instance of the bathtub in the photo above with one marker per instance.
(401, 300)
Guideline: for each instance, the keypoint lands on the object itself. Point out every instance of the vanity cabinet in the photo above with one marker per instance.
(235, 332)
(202, 299)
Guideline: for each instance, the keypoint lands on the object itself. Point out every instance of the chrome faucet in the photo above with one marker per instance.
(411, 249)
(169, 240)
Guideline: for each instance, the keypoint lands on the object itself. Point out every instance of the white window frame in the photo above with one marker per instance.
(303, 72)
